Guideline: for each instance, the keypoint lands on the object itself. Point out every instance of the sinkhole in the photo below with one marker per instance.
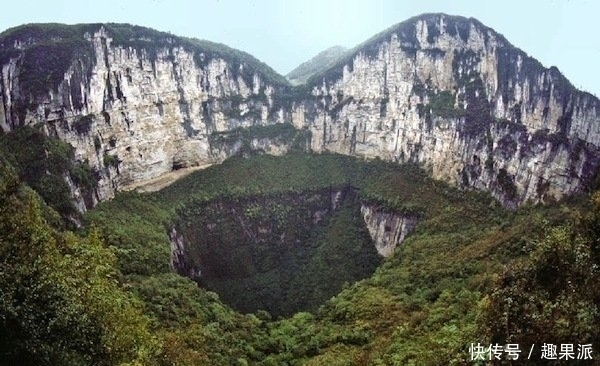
(279, 252)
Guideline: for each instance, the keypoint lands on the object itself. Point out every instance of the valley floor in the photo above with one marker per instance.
(164, 180)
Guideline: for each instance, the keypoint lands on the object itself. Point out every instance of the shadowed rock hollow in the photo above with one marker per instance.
(285, 252)
(282, 252)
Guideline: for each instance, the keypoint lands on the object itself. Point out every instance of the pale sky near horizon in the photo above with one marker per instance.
(285, 33)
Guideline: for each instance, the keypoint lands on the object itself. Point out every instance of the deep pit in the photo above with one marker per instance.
(279, 252)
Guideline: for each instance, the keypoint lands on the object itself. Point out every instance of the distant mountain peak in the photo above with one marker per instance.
(322, 60)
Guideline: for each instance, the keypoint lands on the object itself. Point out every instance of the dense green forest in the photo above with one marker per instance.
(471, 272)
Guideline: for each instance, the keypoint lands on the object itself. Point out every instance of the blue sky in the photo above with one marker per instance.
(286, 33)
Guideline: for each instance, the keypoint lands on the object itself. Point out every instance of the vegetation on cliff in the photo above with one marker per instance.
(47, 50)
(280, 252)
(106, 295)
(61, 300)
(43, 163)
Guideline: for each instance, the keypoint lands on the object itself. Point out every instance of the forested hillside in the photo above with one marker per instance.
(470, 272)
(430, 198)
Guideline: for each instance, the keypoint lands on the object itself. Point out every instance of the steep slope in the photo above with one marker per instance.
(443, 91)
(283, 252)
(422, 306)
(316, 64)
(133, 102)
(455, 96)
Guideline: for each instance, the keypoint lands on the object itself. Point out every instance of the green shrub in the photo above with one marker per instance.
(110, 160)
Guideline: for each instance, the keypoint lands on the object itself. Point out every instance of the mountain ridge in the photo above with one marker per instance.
(453, 65)
(322, 60)
(127, 34)
(432, 86)
(386, 33)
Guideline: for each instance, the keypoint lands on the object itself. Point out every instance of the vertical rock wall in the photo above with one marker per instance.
(446, 92)
(456, 97)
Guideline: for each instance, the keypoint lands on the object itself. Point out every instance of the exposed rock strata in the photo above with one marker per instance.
(446, 92)
(387, 229)
(455, 96)
(134, 112)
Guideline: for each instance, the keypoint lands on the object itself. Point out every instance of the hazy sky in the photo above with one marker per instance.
(286, 33)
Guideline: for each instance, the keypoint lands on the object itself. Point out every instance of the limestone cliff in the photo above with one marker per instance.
(134, 102)
(388, 229)
(455, 96)
(443, 91)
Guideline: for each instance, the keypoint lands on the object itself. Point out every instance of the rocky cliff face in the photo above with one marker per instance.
(387, 229)
(134, 105)
(455, 96)
(446, 92)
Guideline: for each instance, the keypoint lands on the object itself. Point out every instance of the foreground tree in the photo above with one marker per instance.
(551, 297)
(60, 301)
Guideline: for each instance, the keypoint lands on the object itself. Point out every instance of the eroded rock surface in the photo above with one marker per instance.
(446, 92)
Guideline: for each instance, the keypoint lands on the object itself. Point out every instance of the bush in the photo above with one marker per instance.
(111, 160)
